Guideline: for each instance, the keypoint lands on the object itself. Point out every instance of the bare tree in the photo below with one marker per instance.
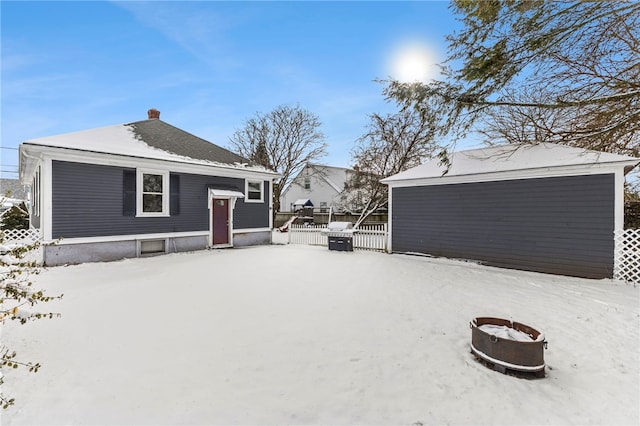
(392, 143)
(567, 72)
(523, 125)
(632, 190)
(283, 140)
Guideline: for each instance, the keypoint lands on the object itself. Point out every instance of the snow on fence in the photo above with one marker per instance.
(366, 237)
(27, 236)
(11, 238)
(627, 256)
(307, 234)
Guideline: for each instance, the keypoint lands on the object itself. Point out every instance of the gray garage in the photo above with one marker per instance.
(545, 208)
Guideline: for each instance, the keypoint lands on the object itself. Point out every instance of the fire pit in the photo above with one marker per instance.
(508, 346)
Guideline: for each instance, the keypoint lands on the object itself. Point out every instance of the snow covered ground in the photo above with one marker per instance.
(301, 335)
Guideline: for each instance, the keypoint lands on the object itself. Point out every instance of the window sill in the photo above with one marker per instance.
(153, 215)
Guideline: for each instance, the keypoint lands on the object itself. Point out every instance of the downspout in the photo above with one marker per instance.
(389, 219)
(37, 160)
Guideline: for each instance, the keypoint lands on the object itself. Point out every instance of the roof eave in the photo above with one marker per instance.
(626, 165)
(630, 167)
(186, 161)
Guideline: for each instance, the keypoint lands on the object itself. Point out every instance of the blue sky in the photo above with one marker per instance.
(207, 66)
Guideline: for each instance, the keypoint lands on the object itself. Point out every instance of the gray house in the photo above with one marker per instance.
(545, 208)
(141, 188)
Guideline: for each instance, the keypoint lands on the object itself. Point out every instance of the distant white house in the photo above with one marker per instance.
(316, 186)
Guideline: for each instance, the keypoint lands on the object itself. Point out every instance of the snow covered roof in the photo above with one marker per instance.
(152, 139)
(303, 202)
(511, 158)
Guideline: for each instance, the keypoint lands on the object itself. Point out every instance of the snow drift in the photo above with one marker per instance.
(302, 335)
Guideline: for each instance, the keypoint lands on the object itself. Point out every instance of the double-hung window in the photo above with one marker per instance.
(152, 193)
(254, 192)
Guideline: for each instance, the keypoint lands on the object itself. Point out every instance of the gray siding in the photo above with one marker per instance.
(561, 225)
(87, 202)
(253, 215)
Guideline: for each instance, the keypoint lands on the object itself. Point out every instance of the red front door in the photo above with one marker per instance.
(220, 221)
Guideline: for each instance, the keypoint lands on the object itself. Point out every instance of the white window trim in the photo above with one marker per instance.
(36, 191)
(139, 243)
(165, 193)
(246, 191)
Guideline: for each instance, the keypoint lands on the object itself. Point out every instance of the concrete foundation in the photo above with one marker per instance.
(252, 239)
(63, 254)
(69, 253)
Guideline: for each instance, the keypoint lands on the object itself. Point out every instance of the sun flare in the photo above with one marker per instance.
(413, 62)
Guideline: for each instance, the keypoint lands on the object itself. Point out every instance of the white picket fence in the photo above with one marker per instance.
(366, 237)
(627, 256)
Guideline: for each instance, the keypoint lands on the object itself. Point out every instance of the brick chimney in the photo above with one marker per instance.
(153, 114)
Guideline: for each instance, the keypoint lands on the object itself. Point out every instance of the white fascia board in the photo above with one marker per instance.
(28, 162)
(135, 237)
(323, 172)
(127, 237)
(78, 156)
(293, 181)
(546, 172)
(332, 185)
(250, 230)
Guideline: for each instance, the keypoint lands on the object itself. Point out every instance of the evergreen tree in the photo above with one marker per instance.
(528, 71)
(17, 217)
